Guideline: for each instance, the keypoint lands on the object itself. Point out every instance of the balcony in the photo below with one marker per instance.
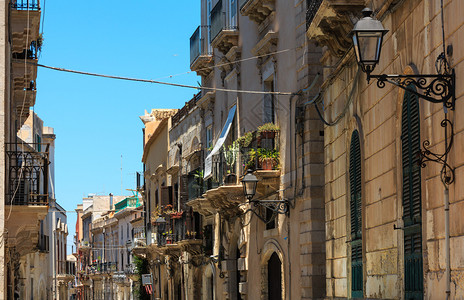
(224, 30)
(130, 202)
(257, 10)
(84, 246)
(329, 22)
(24, 23)
(23, 98)
(31, 5)
(223, 191)
(139, 243)
(66, 270)
(201, 53)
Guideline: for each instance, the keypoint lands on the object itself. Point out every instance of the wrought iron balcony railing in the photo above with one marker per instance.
(200, 44)
(27, 174)
(30, 53)
(25, 4)
(221, 21)
(311, 10)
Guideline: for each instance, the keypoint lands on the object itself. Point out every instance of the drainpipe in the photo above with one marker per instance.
(447, 245)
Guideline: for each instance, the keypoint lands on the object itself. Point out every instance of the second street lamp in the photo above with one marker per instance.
(250, 183)
(436, 88)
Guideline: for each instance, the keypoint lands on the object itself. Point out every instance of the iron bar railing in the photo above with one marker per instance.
(25, 4)
(185, 110)
(29, 53)
(199, 43)
(27, 178)
(312, 6)
(220, 21)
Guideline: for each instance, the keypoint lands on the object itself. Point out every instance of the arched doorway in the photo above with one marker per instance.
(274, 277)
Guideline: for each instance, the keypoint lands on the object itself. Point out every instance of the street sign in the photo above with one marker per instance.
(147, 279)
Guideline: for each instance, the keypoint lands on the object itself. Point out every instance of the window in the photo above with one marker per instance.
(268, 102)
(38, 139)
(209, 137)
(356, 217)
(412, 216)
(233, 13)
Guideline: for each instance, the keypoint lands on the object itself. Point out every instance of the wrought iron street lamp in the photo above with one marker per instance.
(367, 39)
(250, 183)
(436, 88)
(160, 224)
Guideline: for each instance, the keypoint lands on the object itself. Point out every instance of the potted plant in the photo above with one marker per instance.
(230, 156)
(268, 158)
(245, 140)
(268, 131)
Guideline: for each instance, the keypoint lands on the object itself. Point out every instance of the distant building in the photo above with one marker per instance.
(104, 237)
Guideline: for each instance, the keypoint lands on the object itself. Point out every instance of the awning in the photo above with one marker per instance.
(219, 143)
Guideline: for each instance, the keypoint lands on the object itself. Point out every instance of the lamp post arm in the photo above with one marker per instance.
(437, 88)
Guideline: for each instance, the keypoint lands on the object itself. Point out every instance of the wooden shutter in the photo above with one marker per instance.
(184, 192)
(166, 196)
(356, 217)
(412, 215)
(355, 186)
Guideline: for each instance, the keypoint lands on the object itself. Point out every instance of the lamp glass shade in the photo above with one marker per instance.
(367, 46)
(249, 182)
(367, 41)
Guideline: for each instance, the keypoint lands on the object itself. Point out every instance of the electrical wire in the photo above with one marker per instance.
(347, 105)
(228, 63)
(159, 82)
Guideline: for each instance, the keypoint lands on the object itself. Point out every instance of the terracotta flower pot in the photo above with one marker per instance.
(267, 164)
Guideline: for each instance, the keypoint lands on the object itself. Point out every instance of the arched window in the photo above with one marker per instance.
(412, 216)
(356, 217)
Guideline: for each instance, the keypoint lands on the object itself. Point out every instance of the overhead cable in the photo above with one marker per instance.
(159, 82)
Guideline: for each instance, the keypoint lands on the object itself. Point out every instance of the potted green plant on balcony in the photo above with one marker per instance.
(268, 131)
(245, 140)
(230, 156)
(268, 158)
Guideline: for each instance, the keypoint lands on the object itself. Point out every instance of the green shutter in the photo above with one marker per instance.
(412, 216)
(356, 217)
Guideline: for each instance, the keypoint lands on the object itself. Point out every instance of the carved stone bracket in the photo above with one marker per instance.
(332, 24)
(258, 10)
(267, 45)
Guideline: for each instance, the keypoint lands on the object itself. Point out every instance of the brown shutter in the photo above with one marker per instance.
(166, 196)
(183, 192)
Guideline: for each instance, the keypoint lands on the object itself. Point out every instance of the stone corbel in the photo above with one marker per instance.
(332, 24)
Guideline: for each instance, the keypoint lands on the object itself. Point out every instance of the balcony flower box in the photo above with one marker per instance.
(177, 215)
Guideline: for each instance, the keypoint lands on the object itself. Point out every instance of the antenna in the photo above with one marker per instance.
(121, 174)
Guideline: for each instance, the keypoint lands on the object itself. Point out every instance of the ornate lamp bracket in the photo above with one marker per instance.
(437, 88)
(447, 172)
(277, 206)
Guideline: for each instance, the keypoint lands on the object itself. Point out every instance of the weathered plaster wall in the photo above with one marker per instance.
(412, 45)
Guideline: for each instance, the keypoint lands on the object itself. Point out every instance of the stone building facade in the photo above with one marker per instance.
(224, 247)
(386, 221)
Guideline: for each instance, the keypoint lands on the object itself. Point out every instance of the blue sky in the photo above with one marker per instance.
(96, 120)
